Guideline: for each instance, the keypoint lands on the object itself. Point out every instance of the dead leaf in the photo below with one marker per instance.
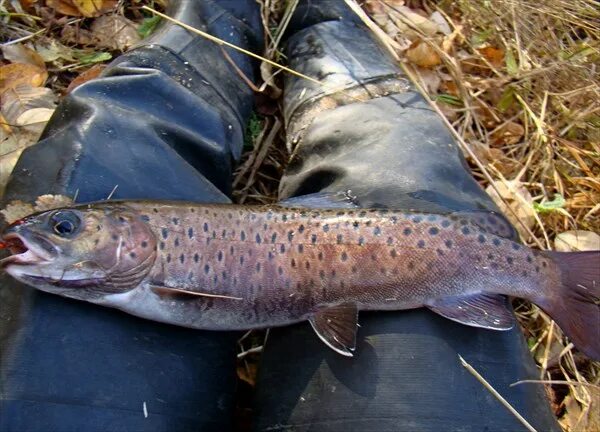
(19, 53)
(35, 116)
(399, 20)
(86, 76)
(577, 240)
(17, 100)
(86, 8)
(423, 55)
(441, 23)
(430, 79)
(493, 55)
(114, 32)
(52, 50)
(515, 202)
(508, 134)
(16, 209)
(16, 74)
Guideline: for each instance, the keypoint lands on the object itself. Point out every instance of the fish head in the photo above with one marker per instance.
(84, 252)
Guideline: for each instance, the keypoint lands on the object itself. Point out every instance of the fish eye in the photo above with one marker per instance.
(64, 223)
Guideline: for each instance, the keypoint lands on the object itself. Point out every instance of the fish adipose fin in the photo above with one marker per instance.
(488, 311)
(336, 326)
(182, 294)
(576, 306)
(322, 200)
(491, 222)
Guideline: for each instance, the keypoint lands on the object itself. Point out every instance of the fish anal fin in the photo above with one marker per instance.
(183, 294)
(489, 311)
(337, 326)
(491, 222)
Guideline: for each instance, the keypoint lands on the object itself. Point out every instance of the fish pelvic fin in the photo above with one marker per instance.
(576, 305)
(336, 326)
(490, 311)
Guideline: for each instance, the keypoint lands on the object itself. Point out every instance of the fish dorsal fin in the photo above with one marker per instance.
(336, 326)
(477, 310)
(182, 294)
(491, 222)
(323, 200)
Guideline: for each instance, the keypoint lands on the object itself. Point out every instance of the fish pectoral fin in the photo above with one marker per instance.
(491, 222)
(322, 200)
(489, 311)
(183, 294)
(336, 326)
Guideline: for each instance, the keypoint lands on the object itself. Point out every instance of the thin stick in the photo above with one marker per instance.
(230, 45)
(557, 382)
(493, 391)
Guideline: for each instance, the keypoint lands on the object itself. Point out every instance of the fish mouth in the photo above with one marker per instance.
(26, 252)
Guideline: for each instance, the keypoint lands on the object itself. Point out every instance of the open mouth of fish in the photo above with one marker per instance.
(25, 252)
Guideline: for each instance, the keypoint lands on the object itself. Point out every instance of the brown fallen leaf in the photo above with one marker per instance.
(16, 74)
(21, 98)
(86, 76)
(19, 53)
(86, 8)
(577, 240)
(493, 55)
(16, 209)
(114, 32)
(423, 55)
(515, 202)
(508, 134)
(430, 79)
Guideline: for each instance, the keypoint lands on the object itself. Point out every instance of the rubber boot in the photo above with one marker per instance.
(380, 139)
(166, 121)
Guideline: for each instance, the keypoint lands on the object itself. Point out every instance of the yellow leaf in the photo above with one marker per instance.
(422, 54)
(15, 74)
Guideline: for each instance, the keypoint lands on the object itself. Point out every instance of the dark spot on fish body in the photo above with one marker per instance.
(301, 229)
(544, 264)
(155, 210)
(509, 260)
(313, 238)
(282, 248)
(441, 252)
(290, 236)
(273, 237)
(176, 242)
(229, 215)
(333, 273)
(214, 234)
(394, 219)
(241, 260)
(344, 256)
(448, 244)
(434, 231)
(145, 218)
(490, 256)
(465, 230)
(307, 265)
(192, 210)
(224, 234)
(411, 265)
(494, 265)
(322, 274)
(205, 227)
(417, 219)
(190, 232)
(394, 254)
(114, 237)
(361, 241)
(300, 248)
(96, 242)
(421, 244)
(354, 269)
(265, 227)
(175, 221)
(481, 238)
(280, 270)
(516, 246)
(196, 258)
(339, 239)
(529, 259)
(293, 262)
(284, 217)
(446, 223)
(270, 255)
(407, 231)
(258, 239)
(231, 250)
(206, 268)
(220, 256)
(325, 227)
(464, 222)
(257, 267)
(121, 219)
(132, 254)
(362, 214)
(243, 235)
(496, 242)
(524, 273)
(181, 258)
(390, 241)
(168, 258)
(431, 218)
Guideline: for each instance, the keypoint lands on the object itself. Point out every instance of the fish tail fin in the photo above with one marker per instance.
(576, 306)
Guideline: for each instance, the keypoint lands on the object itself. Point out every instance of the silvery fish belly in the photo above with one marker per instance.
(228, 267)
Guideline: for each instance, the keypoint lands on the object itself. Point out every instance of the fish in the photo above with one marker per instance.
(233, 267)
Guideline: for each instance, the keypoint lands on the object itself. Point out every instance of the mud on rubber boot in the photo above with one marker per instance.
(380, 139)
(164, 121)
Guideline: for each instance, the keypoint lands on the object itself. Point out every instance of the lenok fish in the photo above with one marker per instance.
(229, 267)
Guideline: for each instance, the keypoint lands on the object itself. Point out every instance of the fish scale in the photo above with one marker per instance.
(229, 267)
